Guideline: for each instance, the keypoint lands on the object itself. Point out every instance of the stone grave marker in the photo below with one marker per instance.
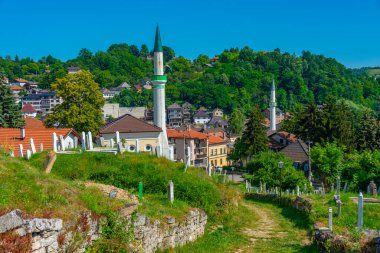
(120, 149)
(28, 154)
(338, 187)
(41, 147)
(117, 137)
(372, 188)
(360, 210)
(90, 144)
(171, 191)
(345, 187)
(62, 143)
(330, 219)
(298, 190)
(32, 146)
(21, 150)
(83, 141)
(55, 140)
(101, 139)
(112, 143)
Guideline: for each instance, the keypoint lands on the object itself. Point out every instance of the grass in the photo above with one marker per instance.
(347, 223)
(192, 188)
(37, 194)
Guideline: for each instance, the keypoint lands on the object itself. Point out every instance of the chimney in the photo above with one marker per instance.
(22, 133)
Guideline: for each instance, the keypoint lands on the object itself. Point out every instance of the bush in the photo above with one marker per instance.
(264, 168)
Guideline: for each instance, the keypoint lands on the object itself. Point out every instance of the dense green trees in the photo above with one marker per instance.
(239, 79)
(10, 114)
(265, 169)
(236, 122)
(82, 103)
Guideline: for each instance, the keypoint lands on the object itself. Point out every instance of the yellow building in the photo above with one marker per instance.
(135, 134)
(217, 151)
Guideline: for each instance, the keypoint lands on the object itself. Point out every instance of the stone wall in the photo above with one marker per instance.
(51, 235)
(153, 235)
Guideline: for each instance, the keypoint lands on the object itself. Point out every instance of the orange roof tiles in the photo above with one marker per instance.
(10, 138)
(31, 123)
(212, 139)
(28, 108)
(20, 80)
(189, 134)
(16, 87)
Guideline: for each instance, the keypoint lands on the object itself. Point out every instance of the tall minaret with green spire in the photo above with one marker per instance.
(159, 80)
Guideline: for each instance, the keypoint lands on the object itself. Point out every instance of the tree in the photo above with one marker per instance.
(265, 169)
(327, 161)
(366, 138)
(144, 51)
(236, 122)
(10, 113)
(82, 103)
(254, 138)
(168, 53)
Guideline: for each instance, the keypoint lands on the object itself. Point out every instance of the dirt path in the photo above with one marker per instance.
(272, 232)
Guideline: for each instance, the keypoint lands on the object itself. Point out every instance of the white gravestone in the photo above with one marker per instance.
(360, 210)
(171, 191)
(28, 154)
(298, 190)
(55, 139)
(75, 142)
(112, 143)
(32, 147)
(62, 143)
(21, 150)
(117, 137)
(41, 147)
(90, 144)
(83, 141)
(330, 219)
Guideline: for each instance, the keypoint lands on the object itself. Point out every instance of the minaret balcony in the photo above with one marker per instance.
(159, 78)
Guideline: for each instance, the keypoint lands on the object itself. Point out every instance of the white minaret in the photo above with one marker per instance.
(272, 107)
(159, 80)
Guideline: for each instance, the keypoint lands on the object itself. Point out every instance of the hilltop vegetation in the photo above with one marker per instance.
(239, 78)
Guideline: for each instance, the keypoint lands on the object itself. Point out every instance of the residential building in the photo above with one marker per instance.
(201, 117)
(43, 102)
(217, 113)
(217, 151)
(11, 138)
(217, 131)
(28, 110)
(33, 123)
(15, 89)
(19, 81)
(186, 112)
(279, 140)
(174, 115)
(298, 153)
(31, 85)
(135, 134)
(107, 94)
(121, 87)
(217, 122)
(196, 141)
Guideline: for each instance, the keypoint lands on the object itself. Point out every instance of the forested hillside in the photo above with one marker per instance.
(237, 78)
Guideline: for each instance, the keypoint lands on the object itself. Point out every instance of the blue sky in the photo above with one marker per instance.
(348, 30)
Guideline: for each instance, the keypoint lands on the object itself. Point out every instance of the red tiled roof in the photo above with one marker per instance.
(33, 123)
(20, 80)
(212, 139)
(10, 138)
(290, 137)
(28, 108)
(16, 87)
(189, 134)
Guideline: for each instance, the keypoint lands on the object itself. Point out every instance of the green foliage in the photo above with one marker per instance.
(10, 114)
(327, 161)
(82, 103)
(236, 122)
(236, 80)
(254, 138)
(264, 168)
(126, 171)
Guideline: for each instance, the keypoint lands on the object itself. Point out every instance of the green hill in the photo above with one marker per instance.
(237, 79)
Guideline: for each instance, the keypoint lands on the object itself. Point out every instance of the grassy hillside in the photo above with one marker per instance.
(193, 188)
(27, 188)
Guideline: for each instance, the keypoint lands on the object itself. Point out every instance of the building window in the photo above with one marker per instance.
(132, 148)
(221, 151)
(216, 162)
(212, 152)
(148, 147)
(175, 151)
(225, 151)
(281, 141)
(221, 161)
(216, 151)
